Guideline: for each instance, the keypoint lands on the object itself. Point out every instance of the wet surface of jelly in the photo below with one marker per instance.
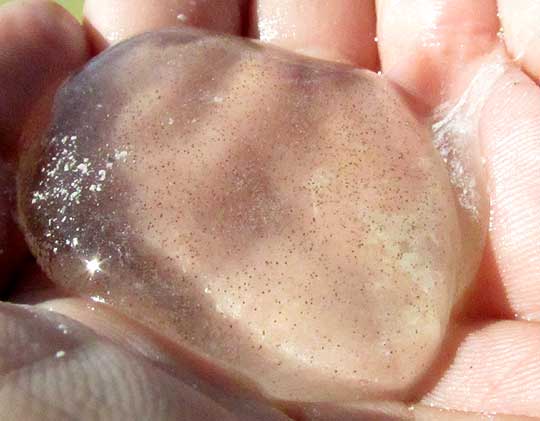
(289, 218)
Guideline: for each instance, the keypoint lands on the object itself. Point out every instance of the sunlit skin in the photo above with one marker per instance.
(450, 69)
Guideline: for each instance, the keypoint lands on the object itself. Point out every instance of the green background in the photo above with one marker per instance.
(74, 6)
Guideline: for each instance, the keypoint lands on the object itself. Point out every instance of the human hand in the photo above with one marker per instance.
(447, 44)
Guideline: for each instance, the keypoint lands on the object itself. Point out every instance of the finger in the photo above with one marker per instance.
(430, 47)
(511, 142)
(521, 24)
(70, 372)
(342, 30)
(40, 44)
(111, 21)
(495, 370)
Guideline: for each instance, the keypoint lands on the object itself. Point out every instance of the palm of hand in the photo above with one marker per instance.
(448, 44)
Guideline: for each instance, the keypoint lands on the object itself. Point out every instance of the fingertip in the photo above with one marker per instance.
(111, 21)
(45, 18)
(342, 31)
(40, 45)
(520, 20)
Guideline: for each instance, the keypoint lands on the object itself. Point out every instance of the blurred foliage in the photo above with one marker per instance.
(74, 6)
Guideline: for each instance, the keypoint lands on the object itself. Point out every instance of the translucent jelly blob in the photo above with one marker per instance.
(289, 218)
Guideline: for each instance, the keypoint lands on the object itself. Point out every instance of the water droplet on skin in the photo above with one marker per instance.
(288, 196)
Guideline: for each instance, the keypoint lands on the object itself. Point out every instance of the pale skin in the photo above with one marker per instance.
(431, 50)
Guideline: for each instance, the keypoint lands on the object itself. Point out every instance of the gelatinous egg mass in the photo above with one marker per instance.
(287, 217)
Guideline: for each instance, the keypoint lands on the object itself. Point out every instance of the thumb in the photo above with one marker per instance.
(40, 44)
(54, 367)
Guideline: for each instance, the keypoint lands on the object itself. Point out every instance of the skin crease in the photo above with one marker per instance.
(507, 402)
